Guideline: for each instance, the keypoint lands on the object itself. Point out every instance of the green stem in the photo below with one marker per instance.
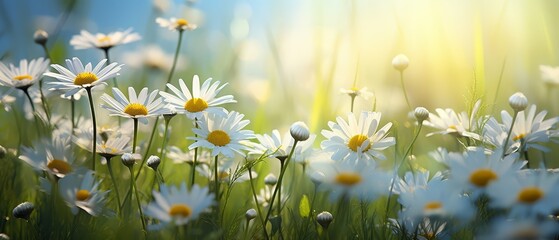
(26, 91)
(88, 90)
(397, 167)
(133, 187)
(175, 58)
(106, 50)
(145, 157)
(509, 133)
(135, 135)
(73, 113)
(404, 89)
(193, 174)
(44, 101)
(282, 172)
(352, 102)
(115, 185)
(216, 179)
(256, 203)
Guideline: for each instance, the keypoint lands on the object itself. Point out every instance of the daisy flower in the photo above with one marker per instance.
(355, 92)
(495, 134)
(200, 100)
(140, 106)
(87, 40)
(22, 77)
(530, 129)
(81, 191)
(526, 193)
(449, 122)
(227, 172)
(222, 134)
(358, 139)
(411, 182)
(438, 199)
(518, 229)
(178, 24)
(76, 77)
(50, 155)
(474, 171)
(425, 229)
(177, 205)
(178, 156)
(281, 146)
(344, 179)
(110, 146)
(550, 74)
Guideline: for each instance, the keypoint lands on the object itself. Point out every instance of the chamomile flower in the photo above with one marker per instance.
(355, 92)
(345, 180)
(22, 77)
(530, 129)
(495, 134)
(425, 229)
(281, 146)
(526, 193)
(81, 191)
(140, 106)
(439, 199)
(412, 181)
(103, 41)
(178, 205)
(51, 155)
(449, 122)
(222, 134)
(77, 77)
(550, 75)
(357, 140)
(521, 229)
(178, 24)
(179, 156)
(226, 171)
(474, 171)
(200, 100)
(113, 145)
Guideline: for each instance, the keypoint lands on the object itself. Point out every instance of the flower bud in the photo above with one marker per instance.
(129, 159)
(421, 114)
(250, 214)
(324, 219)
(270, 180)
(400, 62)
(40, 37)
(23, 210)
(518, 102)
(153, 162)
(299, 131)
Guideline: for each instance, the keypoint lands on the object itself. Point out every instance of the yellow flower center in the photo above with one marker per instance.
(434, 205)
(482, 177)
(195, 105)
(218, 138)
(530, 195)
(180, 210)
(181, 22)
(135, 109)
(452, 128)
(519, 137)
(104, 39)
(356, 141)
(82, 195)
(348, 178)
(23, 77)
(59, 166)
(85, 78)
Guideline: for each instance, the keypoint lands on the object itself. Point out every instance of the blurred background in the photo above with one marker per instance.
(287, 60)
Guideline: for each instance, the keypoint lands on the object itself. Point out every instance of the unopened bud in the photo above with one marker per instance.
(23, 210)
(324, 219)
(421, 114)
(299, 131)
(518, 102)
(400, 62)
(270, 180)
(129, 159)
(153, 162)
(250, 214)
(40, 37)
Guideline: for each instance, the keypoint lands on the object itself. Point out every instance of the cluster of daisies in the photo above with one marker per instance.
(492, 181)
